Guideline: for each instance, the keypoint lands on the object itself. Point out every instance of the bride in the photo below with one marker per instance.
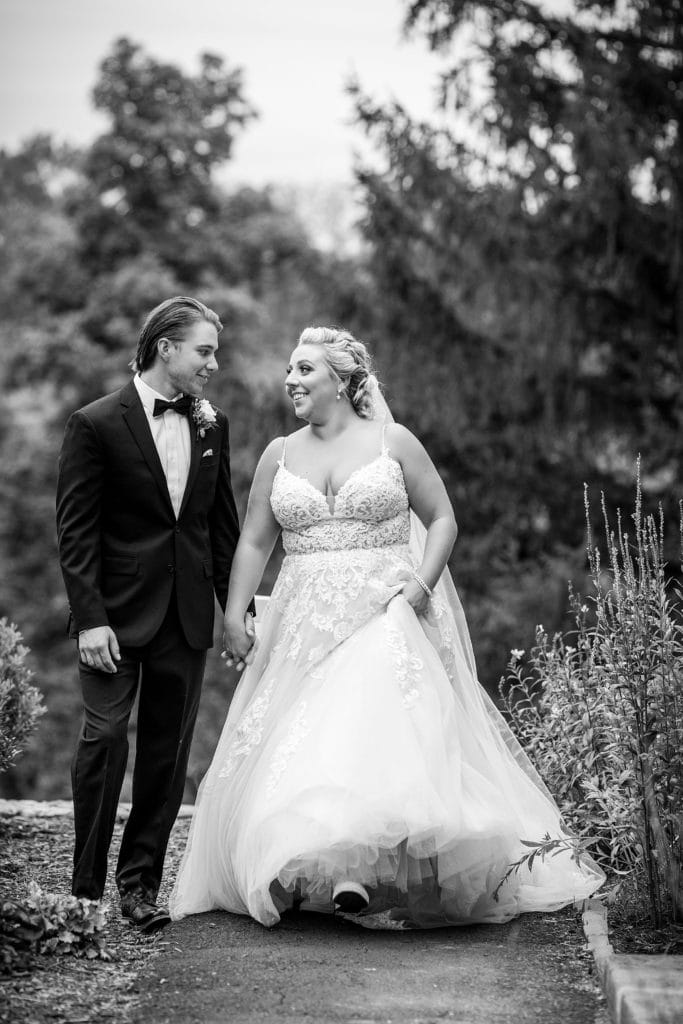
(362, 768)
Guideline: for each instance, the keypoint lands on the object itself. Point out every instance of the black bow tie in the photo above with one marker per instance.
(181, 405)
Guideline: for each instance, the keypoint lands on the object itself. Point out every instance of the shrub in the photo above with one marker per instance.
(600, 712)
(20, 703)
(45, 923)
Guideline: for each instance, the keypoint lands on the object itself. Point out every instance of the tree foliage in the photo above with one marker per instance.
(527, 249)
(149, 181)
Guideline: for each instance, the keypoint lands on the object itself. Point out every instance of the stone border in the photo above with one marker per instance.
(640, 989)
(597, 937)
(63, 808)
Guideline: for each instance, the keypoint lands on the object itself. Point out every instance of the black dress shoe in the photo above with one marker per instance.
(140, 909)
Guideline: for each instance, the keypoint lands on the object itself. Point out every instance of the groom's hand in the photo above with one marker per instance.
(99, 648)
(240, 653)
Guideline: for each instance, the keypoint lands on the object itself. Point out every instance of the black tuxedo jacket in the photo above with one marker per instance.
(121, 548)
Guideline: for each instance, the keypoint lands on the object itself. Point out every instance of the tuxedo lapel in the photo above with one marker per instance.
(136, 420)
(195, 459)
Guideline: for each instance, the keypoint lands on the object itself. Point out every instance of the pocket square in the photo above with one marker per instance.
(209, 451)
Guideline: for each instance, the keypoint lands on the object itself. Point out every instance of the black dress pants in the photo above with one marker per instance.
(169, 675)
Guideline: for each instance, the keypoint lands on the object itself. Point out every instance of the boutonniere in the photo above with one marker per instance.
(204, 415)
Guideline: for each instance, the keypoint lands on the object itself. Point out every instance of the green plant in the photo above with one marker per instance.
(20, 703)
(602, 716)
(46, 923)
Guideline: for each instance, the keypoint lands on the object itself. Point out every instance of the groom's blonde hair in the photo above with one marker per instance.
(170, 319)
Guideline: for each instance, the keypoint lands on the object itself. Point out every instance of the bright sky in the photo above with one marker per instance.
(296, 58)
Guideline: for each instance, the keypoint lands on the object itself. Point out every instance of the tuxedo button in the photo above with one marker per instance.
(171, 568)
(177, 529)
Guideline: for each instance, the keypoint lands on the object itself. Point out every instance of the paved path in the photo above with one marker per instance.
(221, 968)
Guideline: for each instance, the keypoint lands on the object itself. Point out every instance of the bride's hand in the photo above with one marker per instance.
(416, 597)
(239, 640)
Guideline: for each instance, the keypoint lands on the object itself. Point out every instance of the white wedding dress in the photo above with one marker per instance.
(359, 746)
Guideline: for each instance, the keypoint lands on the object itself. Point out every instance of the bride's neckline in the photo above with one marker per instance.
(384, 454)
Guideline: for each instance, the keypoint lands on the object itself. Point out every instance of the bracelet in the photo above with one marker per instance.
(418, 579)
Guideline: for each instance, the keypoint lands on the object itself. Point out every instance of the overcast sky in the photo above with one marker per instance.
(296, 58)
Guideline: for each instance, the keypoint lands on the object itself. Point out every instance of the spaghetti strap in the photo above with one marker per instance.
(384, 450)
(284, 451)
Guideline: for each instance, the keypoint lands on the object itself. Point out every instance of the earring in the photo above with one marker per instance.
(339, 393)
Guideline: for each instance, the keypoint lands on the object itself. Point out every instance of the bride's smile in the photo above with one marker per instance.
(311, 385)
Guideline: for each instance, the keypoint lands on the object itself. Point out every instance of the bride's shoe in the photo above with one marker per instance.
(350, 897)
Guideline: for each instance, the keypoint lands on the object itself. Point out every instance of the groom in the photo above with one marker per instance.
(147, 527)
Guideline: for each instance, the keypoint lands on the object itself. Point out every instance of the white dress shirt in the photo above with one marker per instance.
(171, 434)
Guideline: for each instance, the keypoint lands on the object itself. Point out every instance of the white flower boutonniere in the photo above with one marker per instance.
(204, 415)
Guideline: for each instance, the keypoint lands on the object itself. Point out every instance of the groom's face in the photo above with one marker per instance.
(191, 362)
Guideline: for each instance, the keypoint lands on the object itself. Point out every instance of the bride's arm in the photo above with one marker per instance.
(429, 500)
(257, 539)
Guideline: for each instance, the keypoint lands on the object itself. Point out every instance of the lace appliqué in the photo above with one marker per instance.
(371, 510)
(284, 750)
(446, 645)
(338, 534)
(248, 731)
(408, 666)
(332, 593)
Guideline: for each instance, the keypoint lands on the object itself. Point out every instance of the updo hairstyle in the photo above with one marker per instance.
(349, 360)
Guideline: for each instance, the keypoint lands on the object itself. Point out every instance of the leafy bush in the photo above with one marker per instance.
(600, 712)
(45, 923)
(20, 703)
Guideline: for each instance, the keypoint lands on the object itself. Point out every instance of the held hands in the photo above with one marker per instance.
(240, 643)
(99, 649)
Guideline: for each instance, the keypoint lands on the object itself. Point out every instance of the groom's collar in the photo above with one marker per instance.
(147, 394)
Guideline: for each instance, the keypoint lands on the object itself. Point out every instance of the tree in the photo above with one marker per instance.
(39, 260)
(149, 178)
(529, 255)
(582, 116)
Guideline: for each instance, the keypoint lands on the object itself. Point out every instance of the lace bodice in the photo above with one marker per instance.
(370, 509)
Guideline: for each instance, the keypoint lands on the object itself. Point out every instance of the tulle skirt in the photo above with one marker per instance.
(359, 747)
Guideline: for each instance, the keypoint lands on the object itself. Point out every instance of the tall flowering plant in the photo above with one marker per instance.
(600, 711)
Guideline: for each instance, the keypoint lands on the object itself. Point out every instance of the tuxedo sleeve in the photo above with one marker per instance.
(79, 496)
(224, 524)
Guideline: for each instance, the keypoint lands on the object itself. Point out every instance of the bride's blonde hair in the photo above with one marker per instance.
(349, 360)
